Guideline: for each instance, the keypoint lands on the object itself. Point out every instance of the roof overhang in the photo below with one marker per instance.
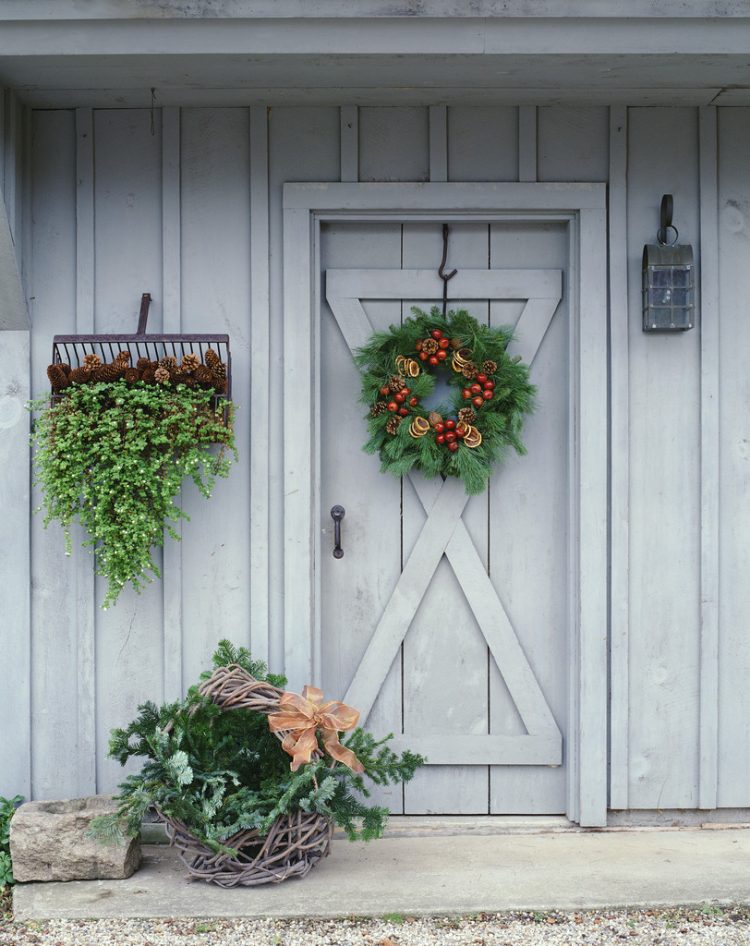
(115, 52)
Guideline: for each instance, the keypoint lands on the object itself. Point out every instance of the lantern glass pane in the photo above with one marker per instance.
(660, 277)
(659, 297)
(680, 277)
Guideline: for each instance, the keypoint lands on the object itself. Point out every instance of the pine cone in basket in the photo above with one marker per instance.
(204, 376)
(143, 363)
(57, 378)
(108, 372)
(161, 375)
(123, 356)
(220, 384)
(190, 362)
(212, 359)
(148, 373)
(169, 363)
(131, 375)
(79, 376)
(66, 368)
(91, 361)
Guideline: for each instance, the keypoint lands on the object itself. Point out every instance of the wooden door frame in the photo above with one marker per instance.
(583, 208)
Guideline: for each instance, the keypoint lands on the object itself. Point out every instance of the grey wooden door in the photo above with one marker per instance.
(475, 630)
(447, 620)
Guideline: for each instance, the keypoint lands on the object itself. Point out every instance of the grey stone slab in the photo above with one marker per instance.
(436, 875)
(49, 842)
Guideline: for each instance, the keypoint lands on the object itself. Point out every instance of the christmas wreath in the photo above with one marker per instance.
(491, 395)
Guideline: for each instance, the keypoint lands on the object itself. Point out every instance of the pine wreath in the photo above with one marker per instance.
(491, 393)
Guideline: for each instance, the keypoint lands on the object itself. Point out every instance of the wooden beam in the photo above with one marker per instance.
(527, 143)
(349, 143)
(438, 143)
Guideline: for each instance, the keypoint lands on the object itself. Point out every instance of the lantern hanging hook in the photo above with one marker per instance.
(441, 270)
(665, 222)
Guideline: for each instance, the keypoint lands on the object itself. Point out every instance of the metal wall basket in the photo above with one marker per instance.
(72, 350)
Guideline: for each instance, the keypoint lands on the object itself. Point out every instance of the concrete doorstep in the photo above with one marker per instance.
(418, 875)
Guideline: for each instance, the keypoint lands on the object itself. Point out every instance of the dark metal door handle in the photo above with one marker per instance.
(337, 514)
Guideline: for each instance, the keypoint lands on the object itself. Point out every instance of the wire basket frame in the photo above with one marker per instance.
(295, 842)
(72, 349)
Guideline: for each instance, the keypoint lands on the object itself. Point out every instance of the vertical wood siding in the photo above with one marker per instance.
(187, 204)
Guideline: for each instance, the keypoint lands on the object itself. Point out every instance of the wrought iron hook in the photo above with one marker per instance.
(441, 269)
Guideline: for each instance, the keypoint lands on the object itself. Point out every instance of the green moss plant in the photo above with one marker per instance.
(113, 455)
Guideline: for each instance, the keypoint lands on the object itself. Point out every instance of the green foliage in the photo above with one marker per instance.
(7, 810)
(113, 457)
(222, 772)
(499, 420)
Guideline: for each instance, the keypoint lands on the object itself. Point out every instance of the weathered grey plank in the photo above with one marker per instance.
(349, 143)
(54, 672)
(734, 457)
(528, 562)
(15, 636)
(438, 143)
(82, 561)
(216, 297)
(527, 143)
(572, 143)
(620, 453)
(664, 484)
(127, 180)
(318, 160)
(260, 377)
(482, 143)
(172, 319)
(708, 775)
(394, 144)
(354, 590)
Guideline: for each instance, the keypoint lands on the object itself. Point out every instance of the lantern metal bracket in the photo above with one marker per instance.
(665, 216)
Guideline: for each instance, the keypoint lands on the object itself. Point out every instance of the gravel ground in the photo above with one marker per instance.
(710, 926)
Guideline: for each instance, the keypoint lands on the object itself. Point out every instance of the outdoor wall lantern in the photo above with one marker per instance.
(668, 279)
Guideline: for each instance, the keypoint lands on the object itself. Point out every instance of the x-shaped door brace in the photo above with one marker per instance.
(444, 531)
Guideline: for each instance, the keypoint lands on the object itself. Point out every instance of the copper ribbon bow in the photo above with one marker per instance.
(303, 716)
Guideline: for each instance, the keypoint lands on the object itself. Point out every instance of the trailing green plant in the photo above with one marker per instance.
(490, 394)
(113, 456)
(220, 772)
(7, 810)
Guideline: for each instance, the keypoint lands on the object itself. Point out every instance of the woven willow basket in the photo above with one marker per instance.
(295, 843)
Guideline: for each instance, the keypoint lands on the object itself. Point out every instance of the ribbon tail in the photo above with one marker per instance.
(340, 753)
(301, 749)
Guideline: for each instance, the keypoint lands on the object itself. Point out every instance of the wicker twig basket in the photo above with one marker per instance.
(295, 843)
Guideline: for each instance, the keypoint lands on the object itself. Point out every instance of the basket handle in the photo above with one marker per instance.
(143, 314)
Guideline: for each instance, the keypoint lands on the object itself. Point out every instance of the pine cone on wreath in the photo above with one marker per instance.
(378, 408)
(395, 383)
(467, 415)
(393, 424)
(430, 346)
(469, 370)
(434, 418)
(489, 367)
